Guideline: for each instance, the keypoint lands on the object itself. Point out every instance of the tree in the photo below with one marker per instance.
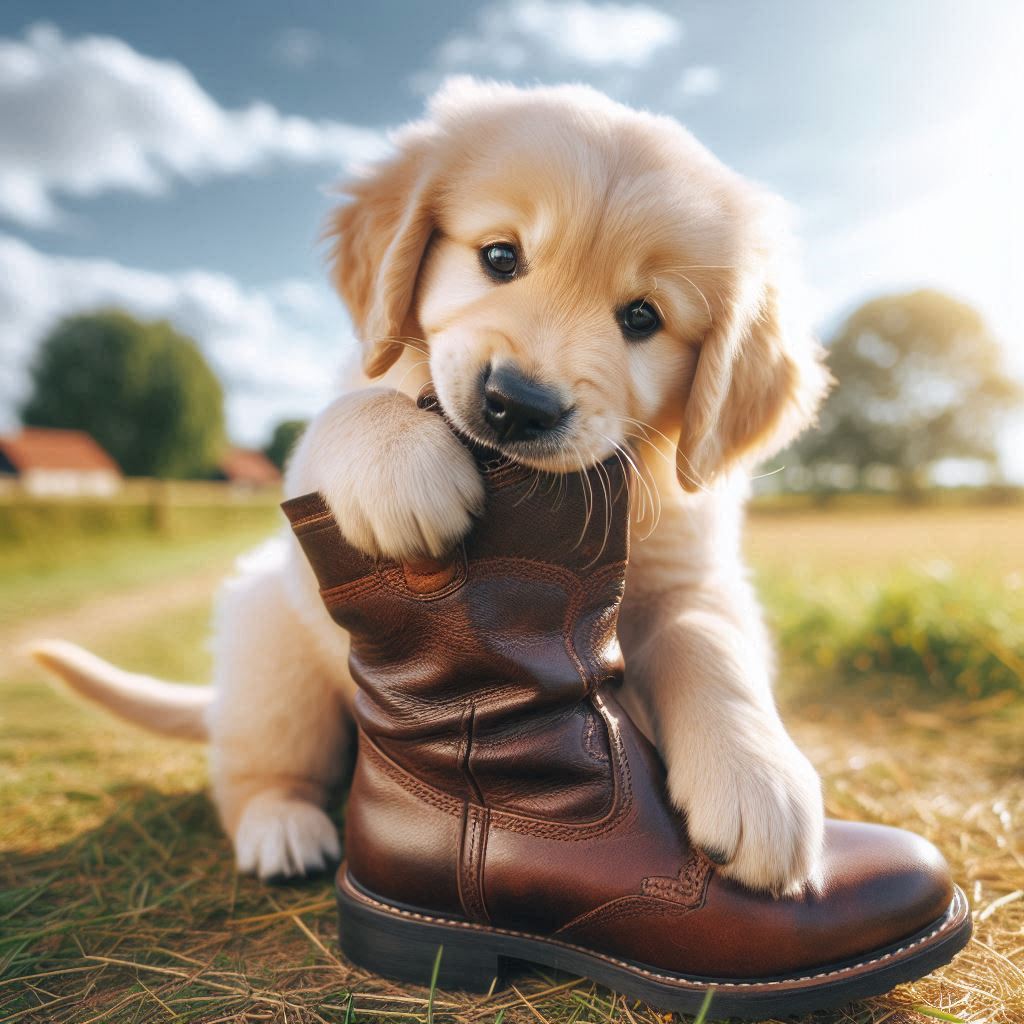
(920, 379)
(283, 440)
(141, 389)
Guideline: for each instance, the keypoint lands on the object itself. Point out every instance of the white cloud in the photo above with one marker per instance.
(85, 115)
(700, 80)
(564, 33)
(276, 349)
(929, 211)
(935, 208)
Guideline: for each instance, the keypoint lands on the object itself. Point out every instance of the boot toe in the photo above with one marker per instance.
(875, 887)
(883, 883)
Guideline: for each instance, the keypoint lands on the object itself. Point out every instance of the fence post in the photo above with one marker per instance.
(160, 507)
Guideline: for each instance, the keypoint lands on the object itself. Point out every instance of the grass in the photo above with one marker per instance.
(119, 902)
(916, 603)
(73, 551)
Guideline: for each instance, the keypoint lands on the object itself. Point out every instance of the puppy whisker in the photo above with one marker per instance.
(652, 494)
(409, 369)
(693, 477)
(561, 490)
(696, 288)
(534, 485)
(588, 496)
(406, 340)
(771, 472)
(636, 496)
(606, 488)
(644, 491)
(699, 266)
(647, 427)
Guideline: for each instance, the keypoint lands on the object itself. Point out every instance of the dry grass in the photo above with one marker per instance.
(141, 917)
(874, 540)
(119, 903)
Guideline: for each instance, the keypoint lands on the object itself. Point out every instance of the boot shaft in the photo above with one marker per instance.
(476, 672)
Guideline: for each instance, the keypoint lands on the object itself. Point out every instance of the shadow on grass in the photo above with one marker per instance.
(144, 918)
(146, 903)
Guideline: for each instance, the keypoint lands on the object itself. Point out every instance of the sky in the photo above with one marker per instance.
(178, 159)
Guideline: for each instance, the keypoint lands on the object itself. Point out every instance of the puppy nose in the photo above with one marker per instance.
(517, 408)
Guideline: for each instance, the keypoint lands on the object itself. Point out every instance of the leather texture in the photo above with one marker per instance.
(499, 782)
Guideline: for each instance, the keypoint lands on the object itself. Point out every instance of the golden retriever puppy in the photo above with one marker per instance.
(573, 278)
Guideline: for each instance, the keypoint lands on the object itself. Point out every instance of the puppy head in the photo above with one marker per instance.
(582, 276)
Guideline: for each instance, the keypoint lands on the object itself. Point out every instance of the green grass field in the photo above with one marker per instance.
(902, 676)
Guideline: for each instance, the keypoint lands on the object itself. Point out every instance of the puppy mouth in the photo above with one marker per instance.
(553, 451)
(523, 417)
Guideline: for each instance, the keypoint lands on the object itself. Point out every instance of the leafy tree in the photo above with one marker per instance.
(143, 390)
(920, 379)
(283, 440)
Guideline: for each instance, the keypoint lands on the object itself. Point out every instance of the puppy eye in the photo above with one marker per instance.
(500, 260)
(639, 320)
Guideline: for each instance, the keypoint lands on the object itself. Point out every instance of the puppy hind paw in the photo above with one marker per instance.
(281, 837)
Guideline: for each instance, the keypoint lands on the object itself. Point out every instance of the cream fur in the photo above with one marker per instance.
(607, 205)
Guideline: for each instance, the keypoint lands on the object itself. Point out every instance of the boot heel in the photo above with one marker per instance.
(405, 949)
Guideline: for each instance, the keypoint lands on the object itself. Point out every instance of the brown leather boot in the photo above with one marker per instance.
(504, 807)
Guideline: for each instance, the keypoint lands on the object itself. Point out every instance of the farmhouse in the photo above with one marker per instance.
(45, 462)
(245, 467)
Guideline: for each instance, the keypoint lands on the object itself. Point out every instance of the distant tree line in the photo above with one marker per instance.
(283, 439)
(142, 389)
(921, 380)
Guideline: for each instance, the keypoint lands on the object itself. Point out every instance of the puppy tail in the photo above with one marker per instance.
(165, 708)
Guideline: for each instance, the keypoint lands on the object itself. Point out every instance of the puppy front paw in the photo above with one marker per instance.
(757, 813)
(413, 492)
(282, 837)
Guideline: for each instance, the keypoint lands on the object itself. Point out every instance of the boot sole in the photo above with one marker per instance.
(402, 943)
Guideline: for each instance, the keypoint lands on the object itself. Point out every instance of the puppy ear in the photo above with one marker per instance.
(379, 239)
(760, 375)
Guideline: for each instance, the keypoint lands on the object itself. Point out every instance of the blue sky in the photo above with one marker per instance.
(177, 158)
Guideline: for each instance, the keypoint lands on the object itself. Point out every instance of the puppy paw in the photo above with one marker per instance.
(756, 813)
(281, 837)
(414, 493)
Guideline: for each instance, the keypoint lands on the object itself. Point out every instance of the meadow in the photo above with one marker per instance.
(901, 634)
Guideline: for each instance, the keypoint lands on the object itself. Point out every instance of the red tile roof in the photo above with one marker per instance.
(46, 448)
(245, 466)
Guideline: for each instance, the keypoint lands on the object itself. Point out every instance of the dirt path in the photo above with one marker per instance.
(121, 610)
